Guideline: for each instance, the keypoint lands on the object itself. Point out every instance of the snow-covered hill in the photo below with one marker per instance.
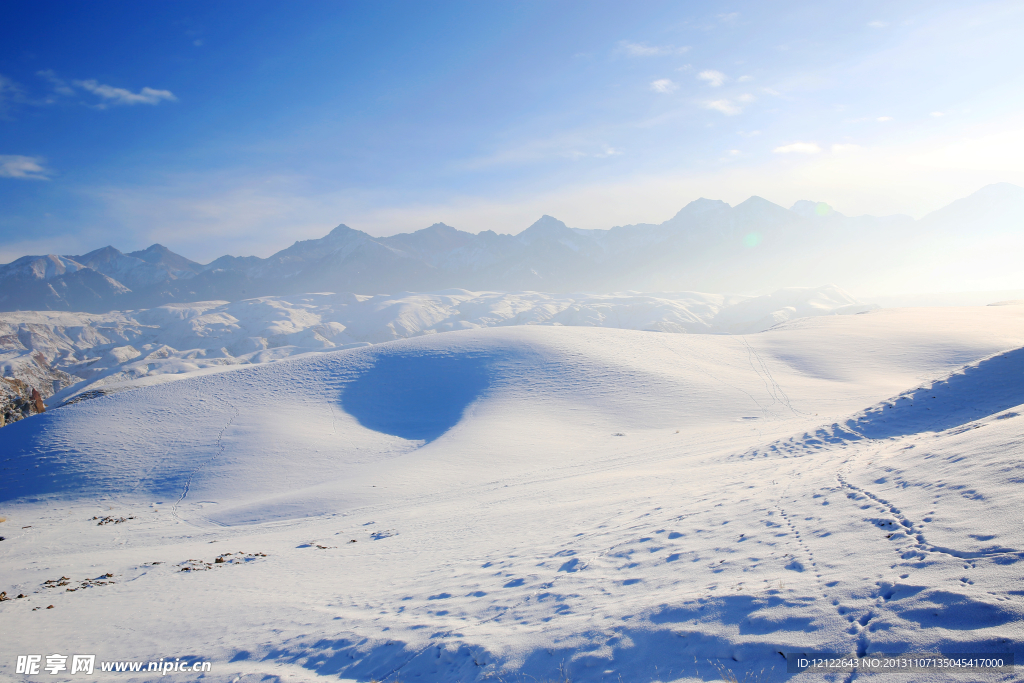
(537, 503)
(88, 352)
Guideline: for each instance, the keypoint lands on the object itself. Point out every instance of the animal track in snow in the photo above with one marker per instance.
(915, 531)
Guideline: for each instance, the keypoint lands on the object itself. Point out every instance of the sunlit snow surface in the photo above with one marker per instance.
(530, 502)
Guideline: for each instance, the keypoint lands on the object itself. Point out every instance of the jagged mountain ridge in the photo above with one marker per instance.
(707, 246)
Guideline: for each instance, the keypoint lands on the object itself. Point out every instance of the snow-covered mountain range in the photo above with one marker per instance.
(709, 246)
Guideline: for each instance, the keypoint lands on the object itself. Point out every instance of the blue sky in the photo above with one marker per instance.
(240, 127)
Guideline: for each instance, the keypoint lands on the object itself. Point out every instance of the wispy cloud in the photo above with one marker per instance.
(727, 107)
(878, 119)
(576, 145)
(10, 92)
(123, 96)
(25, 168)
(663, 85)
(7, 86)
(937, 114)
(59, 85)
(798, 148)
(645, 50)
(712, 77)
(878, 24)
(604, 153)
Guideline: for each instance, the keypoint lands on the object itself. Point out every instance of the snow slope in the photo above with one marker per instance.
(110, 350)
(538, 503)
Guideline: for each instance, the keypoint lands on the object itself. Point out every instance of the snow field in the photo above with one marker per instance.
(533, 501)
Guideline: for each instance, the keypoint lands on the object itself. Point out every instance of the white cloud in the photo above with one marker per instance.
(712, 77)
(799, 148)
(727, 107)
(884, 118)
(744, 79)
(122, 96)
(746, 98)
(26, 168)
(937, 114)
(663, 85)
(769, 91)
(878, 24)
(645, 50)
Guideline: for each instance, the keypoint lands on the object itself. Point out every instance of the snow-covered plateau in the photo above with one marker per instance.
(536, 503)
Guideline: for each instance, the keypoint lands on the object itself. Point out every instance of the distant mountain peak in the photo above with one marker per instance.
(545, 219)
(546, 227)
(1002, 189)
(151, 253)
(1002, 203)
(341, 230)
(757, 201)
(809, 209)
(442, 229)
(102, 254)
(160, 256)
(703, 205)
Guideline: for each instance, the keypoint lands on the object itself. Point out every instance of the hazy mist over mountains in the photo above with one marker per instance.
(753, 247)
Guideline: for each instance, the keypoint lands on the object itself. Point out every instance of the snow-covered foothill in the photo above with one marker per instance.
(114, 350)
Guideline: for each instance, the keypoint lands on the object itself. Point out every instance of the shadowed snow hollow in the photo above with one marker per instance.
(417, 396)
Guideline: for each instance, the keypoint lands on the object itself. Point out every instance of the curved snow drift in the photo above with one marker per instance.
(973, 392)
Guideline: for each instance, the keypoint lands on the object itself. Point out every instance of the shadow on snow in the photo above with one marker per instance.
(416, 396)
